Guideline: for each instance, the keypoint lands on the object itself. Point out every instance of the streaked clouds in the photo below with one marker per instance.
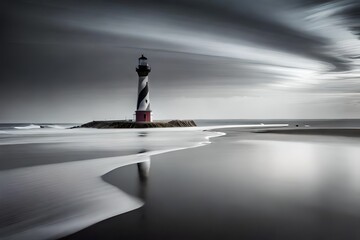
(292, 53)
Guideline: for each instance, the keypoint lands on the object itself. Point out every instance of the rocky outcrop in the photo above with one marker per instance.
(182, 123)
(130, 124)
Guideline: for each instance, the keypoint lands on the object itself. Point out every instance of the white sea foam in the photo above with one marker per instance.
(31, 126)
(261, 125)
(34, 126)
(53, 126)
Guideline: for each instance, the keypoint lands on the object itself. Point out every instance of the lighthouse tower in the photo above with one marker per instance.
(143, 112)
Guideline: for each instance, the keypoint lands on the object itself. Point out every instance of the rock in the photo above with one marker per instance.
(182, 123)
(130, 124)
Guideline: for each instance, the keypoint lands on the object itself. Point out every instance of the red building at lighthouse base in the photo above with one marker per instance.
(143, 116)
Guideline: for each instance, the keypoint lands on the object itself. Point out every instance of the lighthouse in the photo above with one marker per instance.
(143, 112)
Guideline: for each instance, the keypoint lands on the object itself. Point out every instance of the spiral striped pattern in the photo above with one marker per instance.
(143, 102)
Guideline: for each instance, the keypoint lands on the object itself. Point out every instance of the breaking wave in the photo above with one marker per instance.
(53, 126)
(33, 126)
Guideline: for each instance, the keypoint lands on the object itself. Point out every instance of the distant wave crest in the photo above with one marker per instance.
(53, 126)
(33, 126)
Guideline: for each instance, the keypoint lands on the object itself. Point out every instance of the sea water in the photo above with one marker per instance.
(50, 178)
(245, 185)
(55, 181)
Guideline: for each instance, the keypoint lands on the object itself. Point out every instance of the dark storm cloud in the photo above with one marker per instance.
(352, 14)
(247, 20)
(251, 21)
(356, 30)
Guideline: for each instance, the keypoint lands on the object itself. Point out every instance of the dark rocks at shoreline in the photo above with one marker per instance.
(131, 124)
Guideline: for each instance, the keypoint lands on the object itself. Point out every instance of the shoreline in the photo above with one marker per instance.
(83, 183)
(343, 132)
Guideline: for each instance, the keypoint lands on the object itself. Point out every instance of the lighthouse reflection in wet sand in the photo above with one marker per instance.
(143, 112)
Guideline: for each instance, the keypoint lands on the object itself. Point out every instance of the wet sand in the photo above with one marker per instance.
(244, 186)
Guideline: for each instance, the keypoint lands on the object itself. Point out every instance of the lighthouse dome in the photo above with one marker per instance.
(143, 60)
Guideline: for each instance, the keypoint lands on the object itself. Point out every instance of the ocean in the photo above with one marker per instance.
(208, 122)
(224, 182)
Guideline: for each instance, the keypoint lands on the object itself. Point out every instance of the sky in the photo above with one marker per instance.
(74, 61)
